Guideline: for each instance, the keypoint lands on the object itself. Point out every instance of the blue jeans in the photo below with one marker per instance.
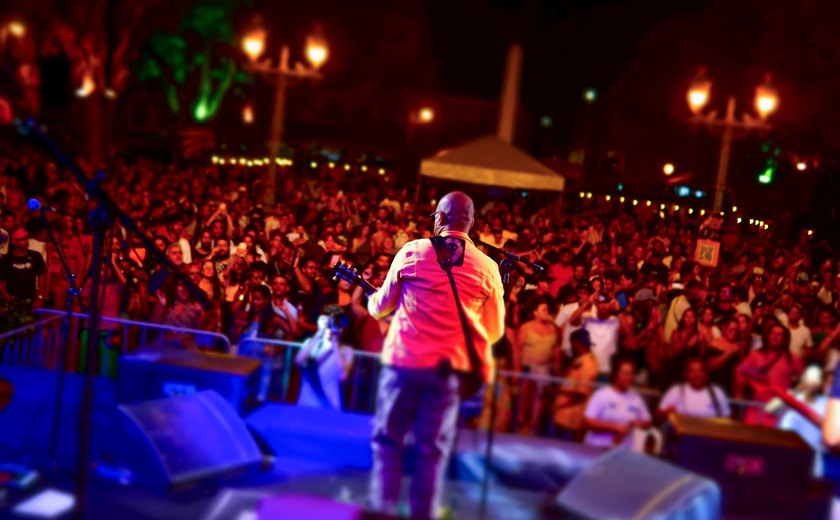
(425, 400)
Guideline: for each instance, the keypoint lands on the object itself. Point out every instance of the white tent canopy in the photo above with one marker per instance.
(492, 162)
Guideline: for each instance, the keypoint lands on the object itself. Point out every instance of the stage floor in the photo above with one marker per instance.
(111, 501)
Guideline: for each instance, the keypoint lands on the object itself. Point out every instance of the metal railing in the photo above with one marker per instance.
(280, 380)
(39, 344)
(33, 345)
(137, 334)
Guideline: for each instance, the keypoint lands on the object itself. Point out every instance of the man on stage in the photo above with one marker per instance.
(425, 346)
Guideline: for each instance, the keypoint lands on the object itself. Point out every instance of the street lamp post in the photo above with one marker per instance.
(316, 53)
(420, 117)
(766, 102)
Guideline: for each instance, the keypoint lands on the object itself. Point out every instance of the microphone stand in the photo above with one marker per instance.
(73, 292)
(101, 218)
(506, 265)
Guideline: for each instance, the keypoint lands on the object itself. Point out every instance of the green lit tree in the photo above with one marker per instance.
(195, 64)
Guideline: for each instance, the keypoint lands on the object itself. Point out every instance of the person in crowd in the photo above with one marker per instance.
(325, 362)
(603, 328)
(641, 334)
(694, 295)
(685, 343)
(313, 292)
(535, 352)
(177, 308)
(572, 396)
(769, 369)
(724, 354)
(801, 341)
(562, 272)
(570, 300)
(203, 248)
(157, 281)
(288, 314)
(823, 324)
(613, 411)
(695, 396)
(175, 233)
(221, 255)
(361, 245)
(706, 326)
(23, 280)
(624, 289)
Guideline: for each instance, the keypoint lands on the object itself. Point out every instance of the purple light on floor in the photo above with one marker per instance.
(49, 503)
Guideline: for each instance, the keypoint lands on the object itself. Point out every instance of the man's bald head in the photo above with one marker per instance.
(455, 212)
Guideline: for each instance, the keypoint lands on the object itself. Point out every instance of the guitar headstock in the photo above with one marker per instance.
(351, 275)
(347, 273)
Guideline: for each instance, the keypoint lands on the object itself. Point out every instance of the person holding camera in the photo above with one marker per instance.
(603, 328)
(325, 362)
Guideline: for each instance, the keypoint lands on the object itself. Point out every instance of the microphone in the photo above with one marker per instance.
(512, 256)
(35, 205)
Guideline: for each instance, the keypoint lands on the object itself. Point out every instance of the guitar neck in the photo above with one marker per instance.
(786, 397)
(366, 287)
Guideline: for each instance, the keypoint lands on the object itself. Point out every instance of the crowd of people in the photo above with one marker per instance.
(621, 304)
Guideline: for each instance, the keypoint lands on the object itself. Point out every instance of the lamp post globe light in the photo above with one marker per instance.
(316, 52)
(698, 96)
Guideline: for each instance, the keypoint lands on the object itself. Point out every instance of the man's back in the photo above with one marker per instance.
(426, 328)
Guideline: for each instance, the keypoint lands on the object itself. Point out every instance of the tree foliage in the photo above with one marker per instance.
(195, 63)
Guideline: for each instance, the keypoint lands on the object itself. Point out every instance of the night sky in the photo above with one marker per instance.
(568, 44)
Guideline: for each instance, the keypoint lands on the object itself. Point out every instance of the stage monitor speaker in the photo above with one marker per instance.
(625, 484)
(762, 471)
(151, 374)
(735, 452)
(179, 441)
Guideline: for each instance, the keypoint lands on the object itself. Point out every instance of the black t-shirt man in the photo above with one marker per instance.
(21, 272)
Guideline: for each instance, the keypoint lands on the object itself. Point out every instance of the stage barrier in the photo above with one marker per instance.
(38, 345)
(279, 379)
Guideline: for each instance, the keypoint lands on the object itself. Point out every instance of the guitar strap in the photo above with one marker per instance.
(450, 252)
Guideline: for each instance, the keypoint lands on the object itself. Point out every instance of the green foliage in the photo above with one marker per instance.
(194, 64)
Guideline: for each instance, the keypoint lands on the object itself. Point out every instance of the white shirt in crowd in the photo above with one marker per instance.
(610, 405)
(286, 310)
(800, 339)
(604, 337)
(562, 321)
(695, 403)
